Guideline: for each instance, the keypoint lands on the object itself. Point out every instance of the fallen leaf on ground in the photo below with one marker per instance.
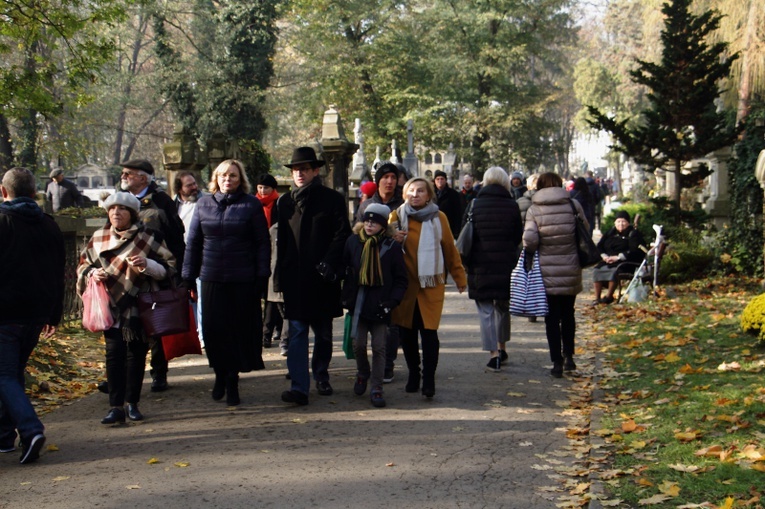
(656, 499)
(152, 461)
(61, 478)
(669, 488)
(182, 464)
(52, 448)
(133, 487)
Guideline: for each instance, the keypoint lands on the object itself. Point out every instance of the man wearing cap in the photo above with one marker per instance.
(159, 213)
(32, 262)
(449, 202)
(388, 193)
(62, 193)
(312, 228)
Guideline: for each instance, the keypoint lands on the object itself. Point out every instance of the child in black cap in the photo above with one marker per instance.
(375, 283)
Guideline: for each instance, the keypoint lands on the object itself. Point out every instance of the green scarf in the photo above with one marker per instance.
(370, 273)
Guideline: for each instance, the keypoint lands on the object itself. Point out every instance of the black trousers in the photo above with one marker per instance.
(560, 326)
(158, 359)
(430, 348)
(125, 366)
(273, 319)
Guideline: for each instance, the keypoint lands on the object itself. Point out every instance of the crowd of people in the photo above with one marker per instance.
(239, 246)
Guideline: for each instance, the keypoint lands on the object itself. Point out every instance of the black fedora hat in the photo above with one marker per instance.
(303, 155)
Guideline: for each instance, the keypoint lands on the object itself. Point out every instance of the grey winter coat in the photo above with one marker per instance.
(550, 228)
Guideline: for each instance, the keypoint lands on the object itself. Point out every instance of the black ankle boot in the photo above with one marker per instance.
(413, 385)
(232, 389)
(428, 386)
(219, 389)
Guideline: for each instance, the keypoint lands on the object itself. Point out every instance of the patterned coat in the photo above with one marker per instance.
(110, 250)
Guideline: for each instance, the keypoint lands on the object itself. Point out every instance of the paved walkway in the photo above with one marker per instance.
(485, 440)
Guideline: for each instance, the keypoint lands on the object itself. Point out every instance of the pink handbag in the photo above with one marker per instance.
(96, 315)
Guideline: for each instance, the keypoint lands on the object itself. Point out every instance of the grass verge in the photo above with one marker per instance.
(684, 399)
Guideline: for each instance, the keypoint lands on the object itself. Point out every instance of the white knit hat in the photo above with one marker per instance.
(124, 199)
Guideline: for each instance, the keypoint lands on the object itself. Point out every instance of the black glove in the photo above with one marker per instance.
(384, 309)
(326, 271)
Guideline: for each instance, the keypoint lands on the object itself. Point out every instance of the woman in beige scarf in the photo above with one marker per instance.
(429, 252)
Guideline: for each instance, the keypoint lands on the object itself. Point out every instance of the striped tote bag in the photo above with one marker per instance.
(527, 290)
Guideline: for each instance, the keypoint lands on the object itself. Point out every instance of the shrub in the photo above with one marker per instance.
(753, 317)
(684, 262)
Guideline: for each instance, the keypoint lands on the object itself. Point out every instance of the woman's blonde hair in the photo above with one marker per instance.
(428, 186)
(244, 182)
(496, 175)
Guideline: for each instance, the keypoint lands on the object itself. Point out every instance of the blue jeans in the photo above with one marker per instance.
(297, 353)
(16, 411)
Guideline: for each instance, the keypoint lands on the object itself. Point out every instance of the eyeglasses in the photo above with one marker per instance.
(129, 174)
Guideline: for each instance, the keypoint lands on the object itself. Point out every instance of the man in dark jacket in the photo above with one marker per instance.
(159, 213)
(313, 227)
(449, 202)
(31, 300)
(62, 193)
(388, 192)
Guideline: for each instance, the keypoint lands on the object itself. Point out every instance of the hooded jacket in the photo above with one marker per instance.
(32, 260)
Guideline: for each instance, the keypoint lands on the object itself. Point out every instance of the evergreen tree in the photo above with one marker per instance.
(682, 121)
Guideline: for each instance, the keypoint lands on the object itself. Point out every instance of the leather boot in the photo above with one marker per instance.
(232, 389)
(219, 389)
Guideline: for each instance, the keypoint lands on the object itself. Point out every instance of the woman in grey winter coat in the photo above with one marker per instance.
(550, 229)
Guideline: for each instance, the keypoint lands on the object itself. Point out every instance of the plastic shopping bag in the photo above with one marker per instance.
(96, 315)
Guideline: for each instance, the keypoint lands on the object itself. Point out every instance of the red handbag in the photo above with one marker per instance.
(177, 345)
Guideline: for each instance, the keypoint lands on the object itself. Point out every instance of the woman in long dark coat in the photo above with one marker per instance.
(497, 233)
(229, 249)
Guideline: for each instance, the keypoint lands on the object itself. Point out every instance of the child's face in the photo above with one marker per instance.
(371, 227)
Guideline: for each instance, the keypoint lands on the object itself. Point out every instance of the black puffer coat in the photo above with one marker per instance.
(496, 236)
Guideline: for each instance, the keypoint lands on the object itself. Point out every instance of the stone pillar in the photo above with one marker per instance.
(718, 204)
(411, 163)
(182, 154)
(452, 175)
(759, 171)
(338, 152)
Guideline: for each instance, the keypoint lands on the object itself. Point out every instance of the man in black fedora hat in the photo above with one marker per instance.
(313, 227)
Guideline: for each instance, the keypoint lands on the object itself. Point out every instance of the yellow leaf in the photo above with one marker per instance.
(757, 466)
(52, 448)
(728, 504)
(715, 450)
(182, 464)
(516, 394)
(644, 481)
(152, 461)
(684, 468)
(580, 488)
(61, 478)
(656, 499)
(672, 357)
(133, 487)
(669, 488)
(688, 436)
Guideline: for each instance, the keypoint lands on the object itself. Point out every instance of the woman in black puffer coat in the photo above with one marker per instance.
(497, 234)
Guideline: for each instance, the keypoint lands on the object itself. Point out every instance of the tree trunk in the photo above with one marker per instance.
(745, 85)
(6, 145)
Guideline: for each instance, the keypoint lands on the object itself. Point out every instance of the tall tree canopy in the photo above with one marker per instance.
(682, 121)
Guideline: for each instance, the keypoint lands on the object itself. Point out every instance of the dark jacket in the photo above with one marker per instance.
(32, 259)
(450, 203)
(228, 240)
(63, 195)
(625, 245)
(394, 278)
(588, 206)
(497, 232)
(393, 204)
(160, 213)
(304, 240)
